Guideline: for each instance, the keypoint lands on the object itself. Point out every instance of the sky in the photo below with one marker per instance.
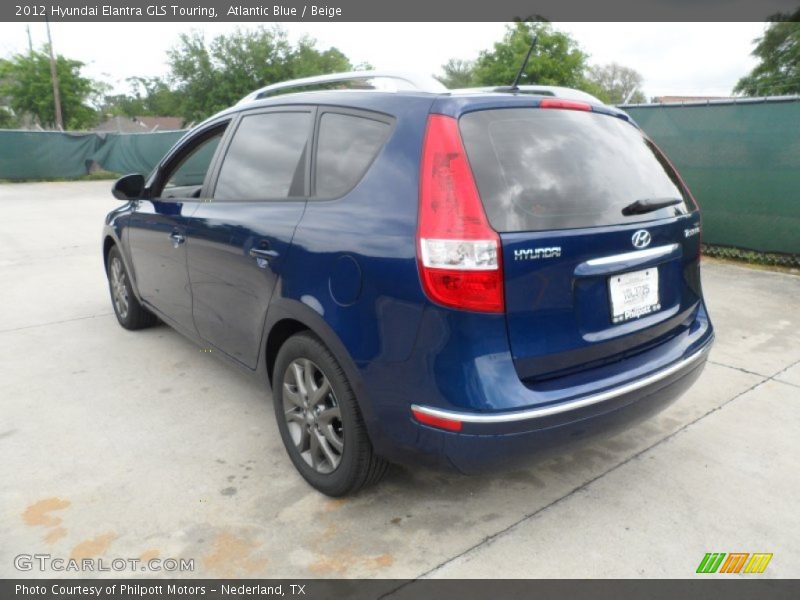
(703, 59)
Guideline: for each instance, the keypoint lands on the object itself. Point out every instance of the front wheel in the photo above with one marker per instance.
(319, 420)
(130, 313)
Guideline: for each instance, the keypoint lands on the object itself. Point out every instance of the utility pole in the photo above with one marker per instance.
(54, 77)
(30, 41)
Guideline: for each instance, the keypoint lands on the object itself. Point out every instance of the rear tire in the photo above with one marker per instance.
(130, 313)
(319, 419)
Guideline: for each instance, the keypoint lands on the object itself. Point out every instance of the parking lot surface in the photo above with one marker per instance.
(121, 444)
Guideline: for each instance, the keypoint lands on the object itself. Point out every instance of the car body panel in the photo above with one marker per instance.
(230, 287)
(158, 256)
(347, 270)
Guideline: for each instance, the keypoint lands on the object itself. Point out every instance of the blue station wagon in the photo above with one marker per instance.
(422, 276)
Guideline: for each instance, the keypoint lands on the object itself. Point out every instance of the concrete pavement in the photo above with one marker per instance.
(120, 444)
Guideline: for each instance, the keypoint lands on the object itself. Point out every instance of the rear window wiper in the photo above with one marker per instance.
(646, 205)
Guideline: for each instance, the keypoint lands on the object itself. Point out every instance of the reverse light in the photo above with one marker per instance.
(458, 251)
(438, 422)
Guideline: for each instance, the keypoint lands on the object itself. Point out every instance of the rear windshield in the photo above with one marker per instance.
(539, 169)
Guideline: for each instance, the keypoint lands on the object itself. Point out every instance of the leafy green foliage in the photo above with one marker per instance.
(210, 76)
(614, 84)
(25, 82)
(557, 59)
(149, 96)
(458, 74)
(7, 118)
(778, 49)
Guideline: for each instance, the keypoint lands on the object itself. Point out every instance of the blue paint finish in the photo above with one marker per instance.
(158, 263)
(347, 269)
(231, 288)
(345, 281)
(566, 301)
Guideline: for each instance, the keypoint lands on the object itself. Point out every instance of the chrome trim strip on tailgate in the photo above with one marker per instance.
(637, 255)
(555, 409)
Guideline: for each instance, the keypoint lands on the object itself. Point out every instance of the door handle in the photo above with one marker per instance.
(177, 238)
(263, 253)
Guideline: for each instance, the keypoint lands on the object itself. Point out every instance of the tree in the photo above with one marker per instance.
(457, 73)
(7, 119)
(616, 84)
(778, 49)
(557, 59)
(148, 96)
(211, 76)
(26, 83)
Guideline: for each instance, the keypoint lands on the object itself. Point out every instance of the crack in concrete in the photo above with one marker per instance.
(55, 322)
(773, 377)
(493, 537)
(719, 364)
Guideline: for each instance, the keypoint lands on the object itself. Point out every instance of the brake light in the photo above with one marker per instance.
(565, 104)
(457, 250)
(434, 421)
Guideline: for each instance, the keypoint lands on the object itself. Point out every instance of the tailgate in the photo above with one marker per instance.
(600, 237)
(559, 288)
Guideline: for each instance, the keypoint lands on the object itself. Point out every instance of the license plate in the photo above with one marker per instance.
(633, 295)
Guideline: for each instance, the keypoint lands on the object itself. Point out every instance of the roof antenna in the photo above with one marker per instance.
(515, 86)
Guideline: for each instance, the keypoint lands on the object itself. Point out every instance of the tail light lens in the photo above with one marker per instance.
(457, 249)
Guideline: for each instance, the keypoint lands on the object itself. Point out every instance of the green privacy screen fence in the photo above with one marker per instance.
(741, 160)
(52, 154)
(742, 163)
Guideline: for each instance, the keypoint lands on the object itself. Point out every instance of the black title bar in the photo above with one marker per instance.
(387, 10)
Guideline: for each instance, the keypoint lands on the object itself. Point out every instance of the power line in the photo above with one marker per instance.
(54, 77)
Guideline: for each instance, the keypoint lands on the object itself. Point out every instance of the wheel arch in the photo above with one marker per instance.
(108, 243)
(280, 332)
(287, 317)
(110, 240)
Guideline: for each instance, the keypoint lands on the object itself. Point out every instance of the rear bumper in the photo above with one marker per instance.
(489, 440)
(571, 406)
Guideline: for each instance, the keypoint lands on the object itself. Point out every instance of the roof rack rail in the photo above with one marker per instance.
(407, 81)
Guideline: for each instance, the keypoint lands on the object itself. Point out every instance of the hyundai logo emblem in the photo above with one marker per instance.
(641, 239)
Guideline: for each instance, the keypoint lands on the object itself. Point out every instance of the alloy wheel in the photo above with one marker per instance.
(119, 287)
(313, 416)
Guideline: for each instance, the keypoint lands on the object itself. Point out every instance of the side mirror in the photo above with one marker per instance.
(128, 187)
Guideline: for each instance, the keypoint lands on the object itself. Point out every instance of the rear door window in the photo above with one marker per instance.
(266, 159)
(347, 145)
(541, 169)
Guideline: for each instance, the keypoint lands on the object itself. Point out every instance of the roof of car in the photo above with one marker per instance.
(377, 90)
(404, 82)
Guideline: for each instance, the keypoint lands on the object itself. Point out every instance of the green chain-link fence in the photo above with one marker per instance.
(741, 160)
(742, 163)
(51, 154)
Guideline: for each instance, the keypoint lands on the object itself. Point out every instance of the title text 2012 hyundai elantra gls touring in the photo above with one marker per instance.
(422, 276)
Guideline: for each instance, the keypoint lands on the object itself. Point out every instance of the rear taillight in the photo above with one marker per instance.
(458, 251)
(565, 104)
